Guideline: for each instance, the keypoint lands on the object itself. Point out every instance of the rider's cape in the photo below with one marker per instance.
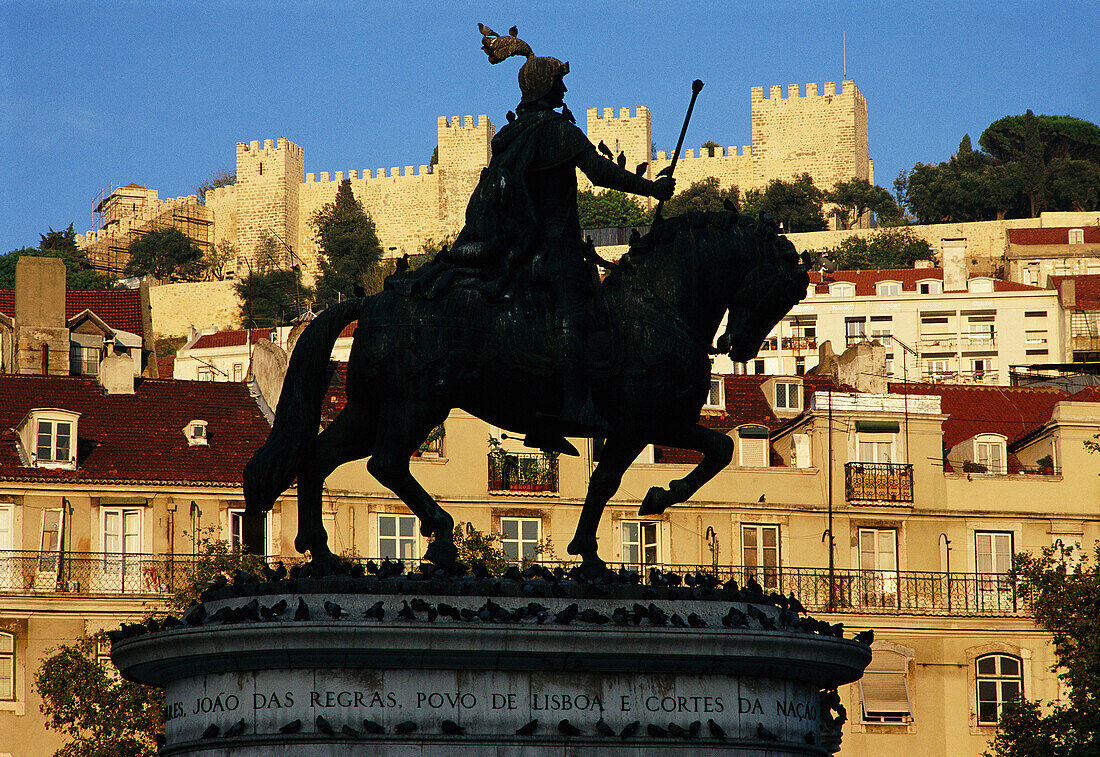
(495, 248)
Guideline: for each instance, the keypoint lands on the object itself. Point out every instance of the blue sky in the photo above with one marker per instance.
(159, 92)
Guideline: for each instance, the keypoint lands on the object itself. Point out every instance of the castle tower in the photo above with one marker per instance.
(268, 182)
(824, 135)
(627, 134)
(464, 149)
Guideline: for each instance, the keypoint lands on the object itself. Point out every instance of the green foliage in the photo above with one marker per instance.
(169, 345)
(1029, 164)
(221, 178)
(794, 205)
(271, 297)
(216, 263)
(214, 557)
(855, 197)
(701, 195)
(476, 546)
(350, 250)
(709, 147)
(610, 209)
(1064, 598)
(168, 255)
(891, 247)
(100, 714)
(79, 273)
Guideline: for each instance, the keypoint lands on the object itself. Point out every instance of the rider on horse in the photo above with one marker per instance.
(524, 212)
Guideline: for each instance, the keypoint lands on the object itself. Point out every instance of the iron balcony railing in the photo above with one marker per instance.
(93, 572)
(518, 472)
(799, 343)
(878, 482)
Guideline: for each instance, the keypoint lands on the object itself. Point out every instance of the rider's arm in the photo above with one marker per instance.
(604, 173)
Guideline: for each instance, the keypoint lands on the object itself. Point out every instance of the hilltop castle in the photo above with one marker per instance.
(823, 134)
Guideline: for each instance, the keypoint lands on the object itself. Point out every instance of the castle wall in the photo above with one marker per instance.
(269, 179)
(824, 135)
(200, 304)
(222, 203)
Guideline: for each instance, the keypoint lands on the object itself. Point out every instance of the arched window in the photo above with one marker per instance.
(999, 679)
(7, 666)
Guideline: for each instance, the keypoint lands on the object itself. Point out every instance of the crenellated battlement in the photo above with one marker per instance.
(366, 175)
(744, 151)
(466, 123)
(269, 147)
(794, 92)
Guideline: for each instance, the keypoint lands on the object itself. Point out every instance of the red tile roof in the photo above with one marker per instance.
(1008, 410)
(1052, 235)
(1086, 290)
(865, 281)
(119, 308)
(130, 438)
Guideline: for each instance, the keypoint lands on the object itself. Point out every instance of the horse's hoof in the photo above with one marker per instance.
(442, 554)
(656, 501)
(592, 566)
(582, 547)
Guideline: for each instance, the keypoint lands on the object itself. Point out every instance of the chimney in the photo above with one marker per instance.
(954, 264)
(1067, 292)
(863, 366)
(116, 373)
(41, 333)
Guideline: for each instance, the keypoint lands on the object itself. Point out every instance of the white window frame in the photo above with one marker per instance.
(878, 566)
(842, 289)
(7, 666)
(998, 679)
(7, 526)
(517, 544)
(236, 530)
(204, 374)
(643, 536)
(937, 368)
(992, 563)
(122, 565)
(238, 371)
(761, 560)
(888, 288)
(991, 451)
(876, 447)
(783, 390)
(886, 681)
(54, 460)
(1076, 236)
(103, 657)
(930, 286)
(716, 397)
(405, 547)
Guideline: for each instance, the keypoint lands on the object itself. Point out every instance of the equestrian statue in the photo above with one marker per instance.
(513, 325)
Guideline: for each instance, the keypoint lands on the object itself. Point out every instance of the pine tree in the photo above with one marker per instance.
(350, 250)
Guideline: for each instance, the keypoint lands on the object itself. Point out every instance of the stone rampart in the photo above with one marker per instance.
(201, 304)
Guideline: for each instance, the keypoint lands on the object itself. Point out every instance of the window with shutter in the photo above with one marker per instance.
(884, 689)
(752, 447)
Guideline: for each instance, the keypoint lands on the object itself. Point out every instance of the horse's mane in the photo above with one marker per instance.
(655, 248)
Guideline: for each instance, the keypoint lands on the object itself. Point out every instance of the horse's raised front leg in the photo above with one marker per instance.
(616, 457)
(349, 437)
(717, 451)
(402, 428)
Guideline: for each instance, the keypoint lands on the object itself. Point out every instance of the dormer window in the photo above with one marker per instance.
(195, 431)
(1076, 236)
(842, 289)
(930, 286)
(980, 285)
(716, 395)
(788, 395)
(752, 447)
(989, 453)
(47, 437)
(888, 288)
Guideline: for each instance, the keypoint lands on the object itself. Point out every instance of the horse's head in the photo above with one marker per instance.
(767, 280)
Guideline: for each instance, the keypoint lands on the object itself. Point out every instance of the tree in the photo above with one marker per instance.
(100, 714)
(701, 195)
(710, 146)
(216, 263)
(79, 273)
(271, 297)
(610, 209)
(1064, 597)
(221, 178)
(349, 244)
(856, 196)
(168, 255)
(891, 247)
(794, 205)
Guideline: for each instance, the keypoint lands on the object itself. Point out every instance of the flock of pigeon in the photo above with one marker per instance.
(390, 578)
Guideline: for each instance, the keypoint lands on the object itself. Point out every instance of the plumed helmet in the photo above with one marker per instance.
(537, 76)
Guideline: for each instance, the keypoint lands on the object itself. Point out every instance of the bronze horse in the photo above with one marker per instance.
(414, 358)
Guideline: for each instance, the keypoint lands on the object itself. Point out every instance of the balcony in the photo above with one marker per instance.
(516, 472)
(878, 482)
(769, 344)
(799, 343)
(93, 573)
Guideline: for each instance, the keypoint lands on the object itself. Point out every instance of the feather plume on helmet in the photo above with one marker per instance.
(537, 75)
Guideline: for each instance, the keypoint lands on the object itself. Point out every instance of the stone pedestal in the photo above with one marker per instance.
(239, 684)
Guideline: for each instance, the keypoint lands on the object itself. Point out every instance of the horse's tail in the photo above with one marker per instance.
(274, 466)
